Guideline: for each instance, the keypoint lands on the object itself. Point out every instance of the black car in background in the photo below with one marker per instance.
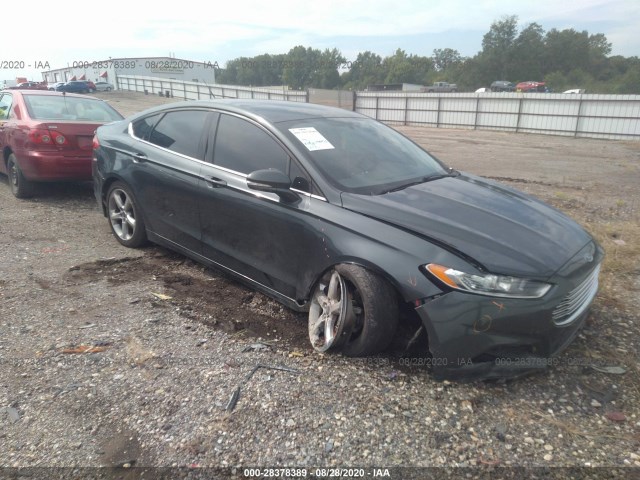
(339, 215)
(503, 86)
(75, 86)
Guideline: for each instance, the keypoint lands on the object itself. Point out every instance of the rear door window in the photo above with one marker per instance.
(181, 132)
(142, 128)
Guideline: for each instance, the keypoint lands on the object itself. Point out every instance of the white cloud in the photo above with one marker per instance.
(251, 27)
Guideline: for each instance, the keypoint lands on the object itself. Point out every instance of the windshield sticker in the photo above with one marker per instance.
(311, 138)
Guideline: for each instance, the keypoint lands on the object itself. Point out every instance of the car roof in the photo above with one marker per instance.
(273, 111)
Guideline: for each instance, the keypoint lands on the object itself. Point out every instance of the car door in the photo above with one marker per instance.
(255, 234)
(167, 152)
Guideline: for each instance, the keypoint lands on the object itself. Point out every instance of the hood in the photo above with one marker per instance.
(505, 231)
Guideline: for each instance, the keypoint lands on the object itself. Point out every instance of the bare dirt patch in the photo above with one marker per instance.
(199, 294)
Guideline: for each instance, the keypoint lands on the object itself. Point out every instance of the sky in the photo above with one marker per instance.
(56, 36)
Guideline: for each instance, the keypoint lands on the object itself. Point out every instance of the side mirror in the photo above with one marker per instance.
(272, 181)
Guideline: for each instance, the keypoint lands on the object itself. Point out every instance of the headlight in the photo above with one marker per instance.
(489, 284)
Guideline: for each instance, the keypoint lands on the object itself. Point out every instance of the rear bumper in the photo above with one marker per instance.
(53, 166)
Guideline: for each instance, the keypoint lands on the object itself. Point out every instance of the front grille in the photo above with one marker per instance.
(577, 301)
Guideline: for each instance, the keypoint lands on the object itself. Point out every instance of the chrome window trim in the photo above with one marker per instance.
(130, 132)
(218, 167)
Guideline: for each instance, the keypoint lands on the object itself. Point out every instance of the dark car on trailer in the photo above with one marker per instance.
(332, 212)
(47, 137)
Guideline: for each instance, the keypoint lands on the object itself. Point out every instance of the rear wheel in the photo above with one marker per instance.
(20, 187)
(125, 217)
(108, 89)
(353, 310)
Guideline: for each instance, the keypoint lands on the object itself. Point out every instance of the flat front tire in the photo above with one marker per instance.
(352, 310)
(125, 217)
(20, 187)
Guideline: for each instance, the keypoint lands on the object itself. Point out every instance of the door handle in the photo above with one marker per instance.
(216, 182)
(139, 157)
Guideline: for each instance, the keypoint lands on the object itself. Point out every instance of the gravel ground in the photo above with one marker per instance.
(118, 357)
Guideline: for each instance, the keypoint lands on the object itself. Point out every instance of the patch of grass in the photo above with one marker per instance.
(569, 428)
(621, 265)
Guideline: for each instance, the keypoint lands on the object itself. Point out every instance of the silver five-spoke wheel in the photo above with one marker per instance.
(329, 321)
(125, 219)
(122, 215)
(352, 310)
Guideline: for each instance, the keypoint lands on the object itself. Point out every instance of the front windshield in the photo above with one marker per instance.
(360, 155)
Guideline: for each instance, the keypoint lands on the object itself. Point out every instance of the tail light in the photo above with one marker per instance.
(59, 139)
(96, 143)
(40, 137)
(45, 137)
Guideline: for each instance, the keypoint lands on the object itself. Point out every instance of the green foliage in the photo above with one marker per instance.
(528, 58)
(260, 70)
(565, 59)
(445, 59)
(498, 46)
(630, 81)
(403, 68)
(366, 70)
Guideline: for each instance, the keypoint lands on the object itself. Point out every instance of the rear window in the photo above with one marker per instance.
(45, 107)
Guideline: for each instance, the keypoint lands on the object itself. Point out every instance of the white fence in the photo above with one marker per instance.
(333, 98)
(202, 91)
(584, 115)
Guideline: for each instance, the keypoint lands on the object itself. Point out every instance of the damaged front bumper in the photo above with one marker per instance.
(474, 337)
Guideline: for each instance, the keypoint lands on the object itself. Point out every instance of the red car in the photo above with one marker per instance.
(30, 86)
(47, 136)
(532, 87)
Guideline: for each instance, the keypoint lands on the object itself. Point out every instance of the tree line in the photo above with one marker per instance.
(564, 59)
